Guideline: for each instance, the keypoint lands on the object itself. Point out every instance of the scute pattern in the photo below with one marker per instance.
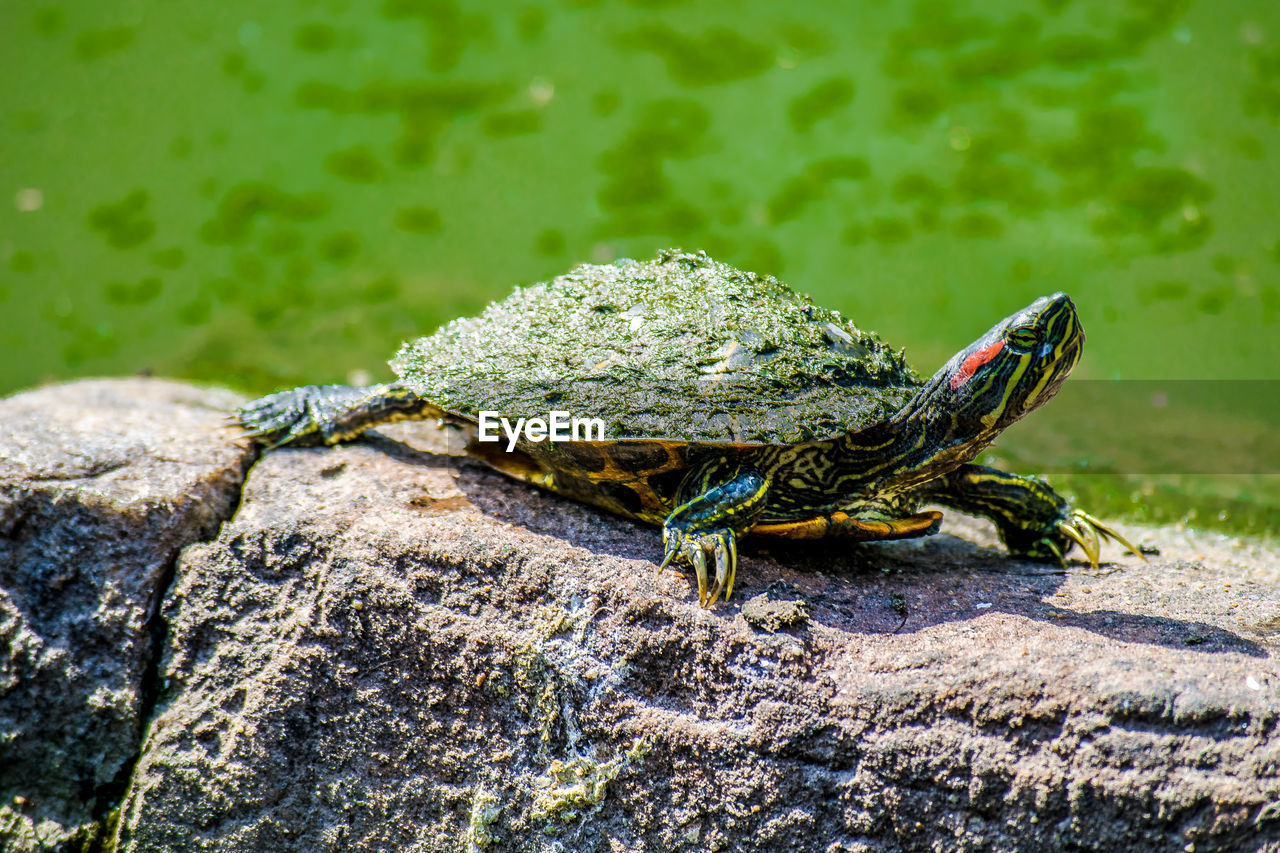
(681, 347)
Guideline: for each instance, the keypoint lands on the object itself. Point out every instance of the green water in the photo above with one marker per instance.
(262, 194)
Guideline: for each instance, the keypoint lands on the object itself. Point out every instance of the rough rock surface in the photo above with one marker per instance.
(101, 484)
(385, 649)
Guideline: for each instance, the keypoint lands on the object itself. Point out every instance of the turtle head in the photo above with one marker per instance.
(1012, 370)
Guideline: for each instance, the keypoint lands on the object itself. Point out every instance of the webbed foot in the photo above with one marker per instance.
(1072, 527)
(695, 549)
(309, 415)
(1032, 519)
(1083, 529)
(721, 503)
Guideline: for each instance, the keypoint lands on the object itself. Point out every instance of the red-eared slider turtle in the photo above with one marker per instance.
(730, 405)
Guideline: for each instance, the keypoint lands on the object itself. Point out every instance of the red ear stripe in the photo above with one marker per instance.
(973, 362)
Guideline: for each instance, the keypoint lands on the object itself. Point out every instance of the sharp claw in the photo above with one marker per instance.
(1057, 552)
(722, 551)
(1111, 533)
(1132, 548)
(671, 555)
(713, 578)
(1071, 533)
(1090, 534)
(1089, 518)
(717, 558)
(696, 550)
(1095, 547)
(699, 559)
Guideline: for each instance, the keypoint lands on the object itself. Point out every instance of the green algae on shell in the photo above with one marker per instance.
(680, 347)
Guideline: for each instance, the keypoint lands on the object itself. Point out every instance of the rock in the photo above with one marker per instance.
(392, 649)
(389, 649)
(101, 484)
(776, 608)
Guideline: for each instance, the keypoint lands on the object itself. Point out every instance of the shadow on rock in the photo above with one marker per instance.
(926, 578)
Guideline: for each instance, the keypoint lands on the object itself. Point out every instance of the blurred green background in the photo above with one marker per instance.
(267, 194)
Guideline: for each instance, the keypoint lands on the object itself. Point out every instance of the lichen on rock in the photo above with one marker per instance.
(570, 788)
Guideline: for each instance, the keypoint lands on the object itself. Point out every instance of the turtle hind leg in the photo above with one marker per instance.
(328, 414)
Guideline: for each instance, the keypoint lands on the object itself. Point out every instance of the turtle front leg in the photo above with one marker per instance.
(1032, 519)
(707, 526)
(328, 414)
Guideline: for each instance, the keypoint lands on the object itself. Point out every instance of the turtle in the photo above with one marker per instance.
(725, 404)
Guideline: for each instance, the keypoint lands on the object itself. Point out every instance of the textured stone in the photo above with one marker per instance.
(101, 484)
(387, 650)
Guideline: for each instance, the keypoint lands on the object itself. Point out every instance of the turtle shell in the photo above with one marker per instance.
(681, 347)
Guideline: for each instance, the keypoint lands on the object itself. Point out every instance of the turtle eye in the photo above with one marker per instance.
(1023, 337)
